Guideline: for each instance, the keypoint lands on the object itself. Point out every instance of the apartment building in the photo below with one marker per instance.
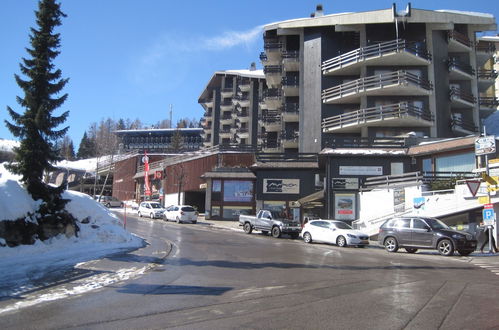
(231, 105)
(382, 73)
(487, 74)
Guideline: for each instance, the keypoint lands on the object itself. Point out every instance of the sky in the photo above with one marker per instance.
(133, 59)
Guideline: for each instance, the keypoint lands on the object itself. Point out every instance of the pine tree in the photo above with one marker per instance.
(86, 148)
(37, 127)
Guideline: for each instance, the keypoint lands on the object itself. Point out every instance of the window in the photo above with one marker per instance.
(216, 190)
(427, 166)
(402, 223)
(455, 163)
(418, 224)
(238, 191)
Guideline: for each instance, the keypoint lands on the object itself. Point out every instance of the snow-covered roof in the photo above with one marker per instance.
(460, 12)
(245, 73)
(364, 151)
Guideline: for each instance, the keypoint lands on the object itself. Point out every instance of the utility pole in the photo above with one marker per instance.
(171, 115)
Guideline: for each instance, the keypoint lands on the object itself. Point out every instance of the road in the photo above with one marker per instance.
(198, 277)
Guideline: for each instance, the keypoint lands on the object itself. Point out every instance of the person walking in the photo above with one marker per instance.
(483, 238)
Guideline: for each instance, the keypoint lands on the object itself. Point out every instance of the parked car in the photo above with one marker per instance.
(152, 209)
(334, 232)
(270, 221)
(109, 201)
(181, 213)
(413, 233)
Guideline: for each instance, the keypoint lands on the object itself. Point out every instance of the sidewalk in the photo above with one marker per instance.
(223, 224)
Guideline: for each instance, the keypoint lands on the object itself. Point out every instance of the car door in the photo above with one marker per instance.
(421, 234)
(320, 231)
(168, 213)
(264, 221)
(403, 230)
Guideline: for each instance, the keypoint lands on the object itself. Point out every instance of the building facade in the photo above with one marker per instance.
(375, 74)
(231, 104)
(160, 140)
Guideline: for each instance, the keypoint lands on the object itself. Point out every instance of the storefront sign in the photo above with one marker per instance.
(344, 207)
(345, 183)
(361, 170)
(281, 186)
(399, 200)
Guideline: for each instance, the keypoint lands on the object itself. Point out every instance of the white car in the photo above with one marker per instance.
(334, 232)
(152, 209)
(109, 201)
(181, 213)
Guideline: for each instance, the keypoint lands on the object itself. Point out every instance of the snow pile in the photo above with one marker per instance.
(103, 234)
(87, 165)
(8, 145)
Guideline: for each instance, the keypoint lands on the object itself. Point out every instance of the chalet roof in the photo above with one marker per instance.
(442, 146)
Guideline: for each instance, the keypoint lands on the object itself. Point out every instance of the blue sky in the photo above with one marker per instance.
(132, 59)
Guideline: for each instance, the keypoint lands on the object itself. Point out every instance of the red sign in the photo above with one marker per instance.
(473, 186)
(147, 187)
(488, 206)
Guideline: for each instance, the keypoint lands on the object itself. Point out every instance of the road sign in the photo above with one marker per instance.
(485, 145)
(488, 217)
(473, 186)
(488, 206)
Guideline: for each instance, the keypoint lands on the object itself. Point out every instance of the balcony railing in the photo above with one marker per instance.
(455, 64)
(289, 135)
(365, 142)
(270, 69)
(459, 37)
(487, 74)
(464, 124)
(490, 102)
(263, 57)
(458, 93)
(377, 50)
(272, 93)
(389, 111)
(378, 81)
(290, 81)
(290, 55)
(291, 107)
(272, 45)
(485, 47)
(270, 118)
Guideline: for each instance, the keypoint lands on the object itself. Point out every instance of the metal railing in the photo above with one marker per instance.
(455, 64)
(412, 178)
(268, 69)
(290, 55)
(290, 81)
(272, 93)
(400, 77)
(459, 37)
(490, 102)
(286, 157)
(382, 112)
(366, 142)
(272, 45)
(291, 107)
(464, 124)
(487, 74)
(289, 135)
(458, 93)
(485, 47)
(364, 53)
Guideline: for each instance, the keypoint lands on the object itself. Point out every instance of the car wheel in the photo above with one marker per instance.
(165, 218)
(276, 232)
(341, 241)
(445, 247)
(265, 232)
(391, 244)
(151, 216)
(108, 205)
(247, 228)
(411, 250)
(464, 253)
(178, 220)
(307, 238)
(140, 214)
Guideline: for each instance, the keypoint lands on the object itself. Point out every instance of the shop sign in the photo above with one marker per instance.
(361, 170)
(344, 206)
(345, 183)
(281, 186)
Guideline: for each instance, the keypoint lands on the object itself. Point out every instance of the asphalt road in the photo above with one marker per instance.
(197, 277)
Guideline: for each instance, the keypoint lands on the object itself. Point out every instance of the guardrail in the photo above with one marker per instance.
(377, 50)
(286, 157)
(366, 142)
(400, 77)
(389, 111)
(456, 92)
(459, 37)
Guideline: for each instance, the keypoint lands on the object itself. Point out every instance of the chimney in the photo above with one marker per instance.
(252, 66)
(319, 11)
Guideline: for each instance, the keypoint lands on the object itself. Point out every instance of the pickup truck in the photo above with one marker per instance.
(269, 221)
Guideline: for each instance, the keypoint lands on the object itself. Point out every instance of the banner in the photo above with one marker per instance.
(147, 186)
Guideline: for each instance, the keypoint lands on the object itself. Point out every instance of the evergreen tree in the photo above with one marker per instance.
(177, 141)
(86, 148)
(36, 128)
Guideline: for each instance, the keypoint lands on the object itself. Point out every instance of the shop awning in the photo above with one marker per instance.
(316, 196)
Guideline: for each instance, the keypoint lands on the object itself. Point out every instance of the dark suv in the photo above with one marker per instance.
(413, 233)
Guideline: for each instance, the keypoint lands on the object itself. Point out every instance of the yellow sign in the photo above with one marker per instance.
(494, 161)
(491, 180)
(484, 200)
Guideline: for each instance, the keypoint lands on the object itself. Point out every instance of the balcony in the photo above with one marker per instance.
(242, 133)
(459, 71)
(486, 78)
(290, 112)
(458, 42)
(242, 100)
(484, 51)
(271, 121)
(271, 146)
(272, 49)
(400, 114)
(208, 115)
(226, 119)
(463, 126)
(289, 140)
(291, 60)
(243, 116)
(226, 105)
(273, 98)
(245, 85)
(488, 105)
(290, 85)
(207, 102)
(227, 92)
(395, 52)
(393, 83)
(459, 98)
(226, 133)
(273, 74)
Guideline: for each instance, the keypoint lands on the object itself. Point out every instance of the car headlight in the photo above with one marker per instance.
(351, 236)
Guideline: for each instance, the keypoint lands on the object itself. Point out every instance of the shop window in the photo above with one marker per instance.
(233, 212)
(238, 191)
(455, 163)
(216, 191)
(215, 211)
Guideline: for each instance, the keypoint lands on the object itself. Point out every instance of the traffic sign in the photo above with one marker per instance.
(488, 206)
(473, 186)
(485, 145)
(488, 217)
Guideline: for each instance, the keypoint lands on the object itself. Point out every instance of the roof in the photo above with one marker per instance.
(258, 74)
(277, 165)
(365, 151)
(442, 145)
(318, 195)
(196, 130)
(387, 16)
(229, 175)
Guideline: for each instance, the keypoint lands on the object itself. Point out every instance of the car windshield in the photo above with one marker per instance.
(155, 205)
(435, 223)
(188, 209)
(341, 225)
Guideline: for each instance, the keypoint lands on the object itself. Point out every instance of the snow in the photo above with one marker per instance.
(470, 13)
(88, 165)
(103, 235)
(359, 151)
(8, 145)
